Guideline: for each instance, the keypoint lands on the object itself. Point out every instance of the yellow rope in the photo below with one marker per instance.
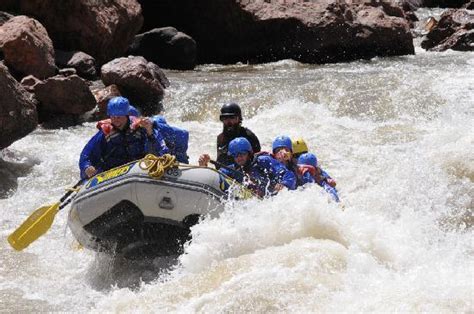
(157, 166)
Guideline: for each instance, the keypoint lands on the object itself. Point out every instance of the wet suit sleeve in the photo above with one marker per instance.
(91, 154)
(155, 143)
(331, 191)
(324, 174)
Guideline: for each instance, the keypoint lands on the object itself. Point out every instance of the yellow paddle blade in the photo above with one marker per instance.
(34, 227)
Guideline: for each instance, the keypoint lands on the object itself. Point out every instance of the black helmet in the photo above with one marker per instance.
(230, 110)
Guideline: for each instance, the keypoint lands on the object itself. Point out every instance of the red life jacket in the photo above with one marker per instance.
(107, 127)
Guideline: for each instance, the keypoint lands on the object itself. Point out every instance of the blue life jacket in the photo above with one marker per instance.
(110, 148)
(176, 138)
(262, 174)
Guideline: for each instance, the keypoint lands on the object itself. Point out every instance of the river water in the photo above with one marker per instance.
(397, 135)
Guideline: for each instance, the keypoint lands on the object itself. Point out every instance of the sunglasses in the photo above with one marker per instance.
(228, 118)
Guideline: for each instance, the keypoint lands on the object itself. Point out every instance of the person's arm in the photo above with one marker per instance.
(222, 157)
(91, 155)
(326, 177)
(156, 144)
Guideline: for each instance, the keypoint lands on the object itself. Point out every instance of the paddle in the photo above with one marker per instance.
(38, 223)
(221, 165)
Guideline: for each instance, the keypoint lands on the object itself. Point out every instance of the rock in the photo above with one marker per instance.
(102, 29)
(166, 47)
(102, 97)
(29, 83)
(64, 95)
(455, 30)
(142, 82)
(18, 116)
(82, 62)
(229, 31)
(27, 47)
(469, 5)
(67, 72)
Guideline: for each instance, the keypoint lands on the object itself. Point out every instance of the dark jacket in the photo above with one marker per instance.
(224, 139)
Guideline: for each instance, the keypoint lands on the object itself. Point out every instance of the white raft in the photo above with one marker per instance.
(128, 212)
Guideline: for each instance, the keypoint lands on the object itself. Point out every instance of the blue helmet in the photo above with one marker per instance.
(308, 159)
(282, 141)
(133, 111)
(239, 145)
(118, 106)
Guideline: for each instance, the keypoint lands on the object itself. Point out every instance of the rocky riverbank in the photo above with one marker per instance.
(51, 51)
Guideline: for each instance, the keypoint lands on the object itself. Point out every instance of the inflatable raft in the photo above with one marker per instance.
(132, 211)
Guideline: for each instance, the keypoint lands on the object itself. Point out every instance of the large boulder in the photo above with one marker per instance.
(455, 30)
(64, 95)
(166, 47)
(142, 82)
(102, 29)
(82, 62)
(27, 48)
(229, 31)
(18, 115)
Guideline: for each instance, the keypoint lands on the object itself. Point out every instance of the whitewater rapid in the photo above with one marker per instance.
(396, 133)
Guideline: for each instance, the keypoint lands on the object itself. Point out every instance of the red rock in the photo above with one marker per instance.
(27, 47)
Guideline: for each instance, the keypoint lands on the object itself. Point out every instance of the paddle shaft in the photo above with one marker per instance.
(221, 165)
(68, 193)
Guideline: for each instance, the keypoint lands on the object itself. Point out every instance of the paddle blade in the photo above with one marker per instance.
(34, 227)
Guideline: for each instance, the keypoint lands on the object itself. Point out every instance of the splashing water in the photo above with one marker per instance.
(396, 134)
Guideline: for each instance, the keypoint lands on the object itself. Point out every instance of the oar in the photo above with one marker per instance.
(38, 223)
(221, 165)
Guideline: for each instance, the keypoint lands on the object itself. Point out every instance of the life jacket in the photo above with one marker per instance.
(106, 125)
(121, 146)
